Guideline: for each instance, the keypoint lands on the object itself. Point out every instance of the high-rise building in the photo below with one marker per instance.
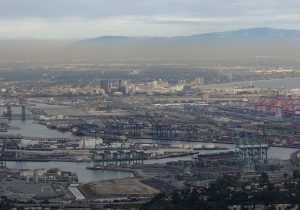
(120, 85)
(106, 86)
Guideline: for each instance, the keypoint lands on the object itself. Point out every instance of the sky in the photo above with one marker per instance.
(82, 19)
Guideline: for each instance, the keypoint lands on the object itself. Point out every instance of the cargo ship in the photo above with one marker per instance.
(216, 156)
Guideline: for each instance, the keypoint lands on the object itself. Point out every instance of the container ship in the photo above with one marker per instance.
(216, 156)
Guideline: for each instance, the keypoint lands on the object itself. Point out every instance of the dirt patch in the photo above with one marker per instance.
(117, 188)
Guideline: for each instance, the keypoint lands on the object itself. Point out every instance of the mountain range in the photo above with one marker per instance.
(253, 34)
(254, 45)
(244, 44)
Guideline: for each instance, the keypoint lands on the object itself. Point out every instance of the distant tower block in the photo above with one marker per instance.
(9, 112)
(106, 86)
(23, 113)
(23, 99)
(120, 85)
(2, 161)
(205, 97)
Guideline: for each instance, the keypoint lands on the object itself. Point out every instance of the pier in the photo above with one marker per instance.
(44, 139)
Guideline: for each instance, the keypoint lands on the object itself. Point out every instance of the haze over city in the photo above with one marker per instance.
(149, 105)
(50, 30)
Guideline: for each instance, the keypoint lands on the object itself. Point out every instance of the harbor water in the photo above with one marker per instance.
(288, 83)
(32, 129)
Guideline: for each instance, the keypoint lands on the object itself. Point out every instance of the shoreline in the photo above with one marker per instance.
(90, 161)
(196, 151)
(214, 142)
(258, 80)
(127, 170)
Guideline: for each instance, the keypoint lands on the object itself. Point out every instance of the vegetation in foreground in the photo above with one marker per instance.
(228, 191)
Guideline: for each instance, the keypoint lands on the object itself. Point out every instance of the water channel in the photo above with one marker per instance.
(30, 128)
(289, 83)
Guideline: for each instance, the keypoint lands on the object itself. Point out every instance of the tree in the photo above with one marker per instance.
(264, 178)
(273, 207)
(295, 174)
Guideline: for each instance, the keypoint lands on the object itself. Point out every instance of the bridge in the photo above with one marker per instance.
(10, 116)
(10, 136)
(18, 117)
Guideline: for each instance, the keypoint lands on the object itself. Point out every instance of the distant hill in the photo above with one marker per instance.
(252, 33)
(262, 34)
(254, 45)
